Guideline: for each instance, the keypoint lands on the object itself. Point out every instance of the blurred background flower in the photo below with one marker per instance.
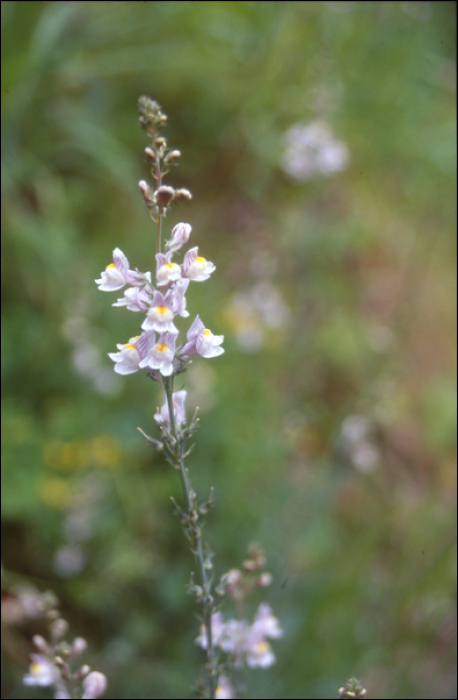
(331, 434)
(312, 150)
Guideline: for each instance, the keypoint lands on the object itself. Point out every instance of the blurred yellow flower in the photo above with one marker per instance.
(55, 492)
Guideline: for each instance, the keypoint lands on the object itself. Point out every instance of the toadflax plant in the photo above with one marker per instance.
(162, 353)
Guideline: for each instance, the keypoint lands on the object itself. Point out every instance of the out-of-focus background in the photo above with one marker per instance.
(318, 139)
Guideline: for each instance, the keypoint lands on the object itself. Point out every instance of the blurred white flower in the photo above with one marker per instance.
(357, 442)
(253, 315)
(42, 672)
(312, 150)
(69, 560)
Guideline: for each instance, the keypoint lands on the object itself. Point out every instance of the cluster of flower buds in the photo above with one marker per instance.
(237, 584)
(53, 662)
(156, 349)
(152, 118)
(353, 689)
(158, 200)
(160, 159)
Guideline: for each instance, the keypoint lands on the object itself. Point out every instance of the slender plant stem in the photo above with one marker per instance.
(159, 216)
(197, 548)
(189, 495)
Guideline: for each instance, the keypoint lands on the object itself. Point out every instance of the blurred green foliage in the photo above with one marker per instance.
(331, 439)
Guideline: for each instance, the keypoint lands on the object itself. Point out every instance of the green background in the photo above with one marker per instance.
(363, 263)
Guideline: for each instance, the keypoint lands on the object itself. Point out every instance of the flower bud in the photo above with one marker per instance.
(41, 643)
(151, 116)
(234, 584)
(164, 195)
(172, 157)
(265, 579)
(150, 155)
(160, 142)
(183, 195)
(59, 628)
(353, 689)
(147, 193)
(250, 566)
(94, 685)
(79, 645)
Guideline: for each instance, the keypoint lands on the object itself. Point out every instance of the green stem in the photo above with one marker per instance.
(189, 495)
(159, 221)
(197, 549)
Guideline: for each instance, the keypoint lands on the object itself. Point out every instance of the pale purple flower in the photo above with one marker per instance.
(178, 399)
(161, 355)
(224, 691)
(166, 270)
(42, 672)
(145, 343)
(94, 685)
(259, 653)
(136, 299)
(195, 267)
(117, 274)
(218, 629)
(180, 236)
(160, 315)
(177, 297)
(233, 641)
(265, 623)
(202, 341)
(128, 358)
(258, 650)
(245, 643)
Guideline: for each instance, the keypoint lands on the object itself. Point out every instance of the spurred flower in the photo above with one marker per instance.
(201, 341)
(160, 315)
(128, 358)
(265, 623)
(42, 672)
(117, 274)
(259, 653)
(195, 267)
(257, 649)
(177, 297)
(136, 299)
(161, 355)
(166, 270)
